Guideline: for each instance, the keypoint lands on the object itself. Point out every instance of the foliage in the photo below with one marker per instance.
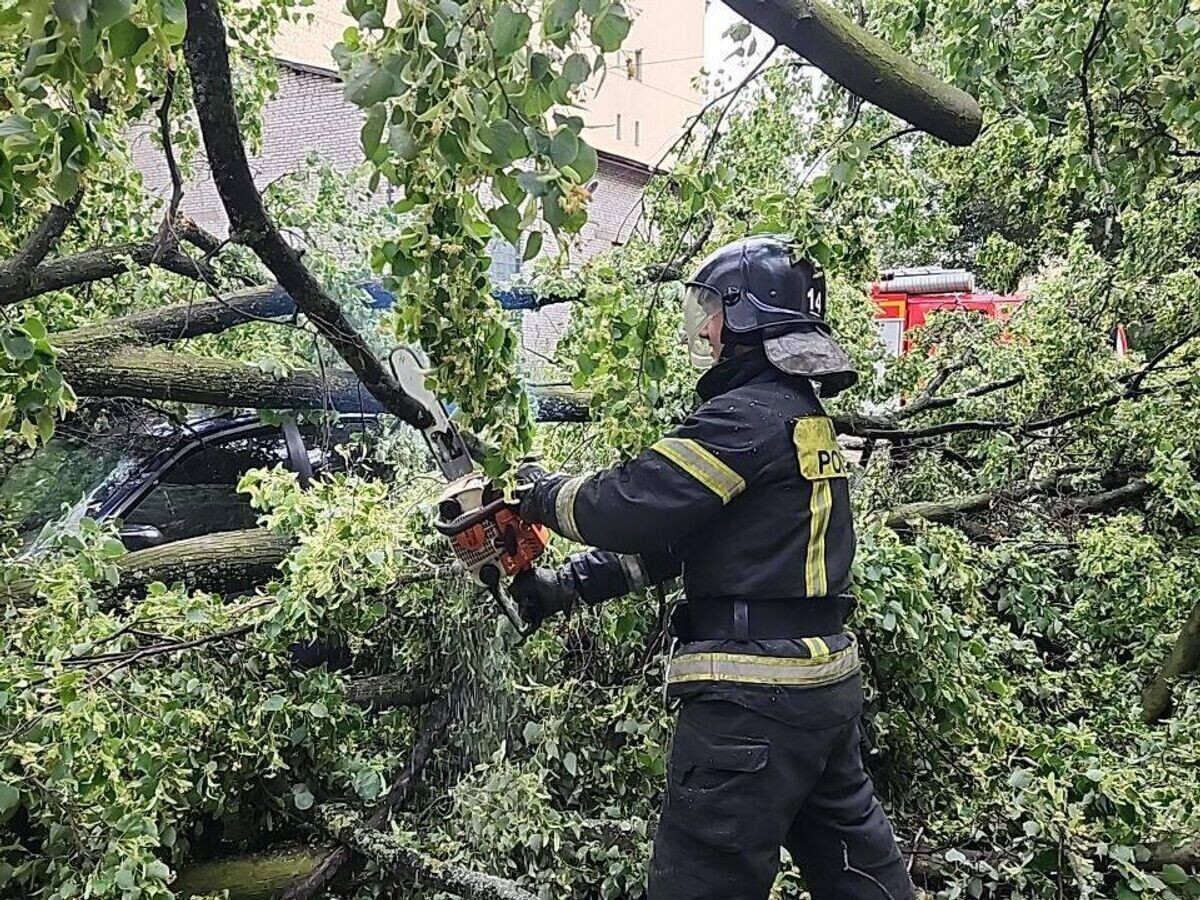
(1006, 653)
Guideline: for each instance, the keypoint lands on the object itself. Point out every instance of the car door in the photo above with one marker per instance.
(194, 490)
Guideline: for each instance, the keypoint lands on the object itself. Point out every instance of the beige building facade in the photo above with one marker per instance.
(635, 110)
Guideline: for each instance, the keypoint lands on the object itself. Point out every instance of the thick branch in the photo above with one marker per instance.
(102, 369)
(382, 692)
(116, 364)
(866, 65)
(402, 787)
(98, 264)
(185, 320)
(947, 510)
(1183, 658)
(15, 272)
(403, 862)
(208, 62)
(223, 562)
(260, 876)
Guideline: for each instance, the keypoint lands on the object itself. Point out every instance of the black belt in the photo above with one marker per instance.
(760, 620)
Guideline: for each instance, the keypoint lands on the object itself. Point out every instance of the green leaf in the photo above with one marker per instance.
(535, 184)
(577, 68)
(318, 710)
(585, 163)
(16, 344)
(507, 219)
(401, 142)
(533, 246)
(509, 30)
(302, 797)
(1173, 874)
(610, 28)
(16, 126)
(505, 141)
(274, 703)
(369, 83)
(9, 798)
(107, 13)
(372, 130)
(125, 39)
(367, 784)
(564, 148)
(174, 11)
(73, 11)
(570, 763)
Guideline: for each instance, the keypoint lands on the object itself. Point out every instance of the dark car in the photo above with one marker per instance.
(169, 481)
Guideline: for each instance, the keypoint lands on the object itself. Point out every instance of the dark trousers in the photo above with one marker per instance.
(741, 784)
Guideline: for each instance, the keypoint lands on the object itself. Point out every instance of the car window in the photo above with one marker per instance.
(198, 494)
(347, 445)
(58, 475)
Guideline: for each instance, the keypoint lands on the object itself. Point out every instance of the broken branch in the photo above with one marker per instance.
(207, 55)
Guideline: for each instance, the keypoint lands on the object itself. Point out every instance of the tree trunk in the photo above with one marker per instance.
(1183, 658)
(225, 562)
(866, 65)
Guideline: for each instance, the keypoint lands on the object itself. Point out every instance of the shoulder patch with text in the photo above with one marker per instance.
(817, 449)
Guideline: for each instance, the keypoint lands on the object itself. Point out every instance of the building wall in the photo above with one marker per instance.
(653, 102)
(309, 115)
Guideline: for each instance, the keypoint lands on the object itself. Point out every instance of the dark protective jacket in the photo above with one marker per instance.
(749, 500)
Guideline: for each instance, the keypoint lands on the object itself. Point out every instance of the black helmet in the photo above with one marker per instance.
(769, 294)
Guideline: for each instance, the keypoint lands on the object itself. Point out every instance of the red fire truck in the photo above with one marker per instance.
(904, 297)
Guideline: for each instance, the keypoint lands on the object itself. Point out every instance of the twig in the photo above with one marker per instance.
(167, 238)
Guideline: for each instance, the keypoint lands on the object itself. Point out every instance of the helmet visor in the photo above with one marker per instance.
(700, 306)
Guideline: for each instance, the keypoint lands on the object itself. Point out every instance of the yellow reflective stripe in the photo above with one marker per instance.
(564, 508)
(816, 646)
(815, 577)
(703, 466)
(749, 669)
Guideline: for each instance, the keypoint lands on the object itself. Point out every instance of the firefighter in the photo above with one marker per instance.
(749, 501)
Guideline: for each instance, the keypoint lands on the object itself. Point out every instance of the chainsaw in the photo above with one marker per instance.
(488, 537)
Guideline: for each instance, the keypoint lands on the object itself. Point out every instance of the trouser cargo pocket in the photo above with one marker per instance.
(710, 777)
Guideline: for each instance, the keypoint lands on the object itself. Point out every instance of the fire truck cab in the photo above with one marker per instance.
(905, 297)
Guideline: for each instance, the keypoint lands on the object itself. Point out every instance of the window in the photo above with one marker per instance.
(618, 126)
(637, 133)
(633, 66)
(347, 445)
(198, 494)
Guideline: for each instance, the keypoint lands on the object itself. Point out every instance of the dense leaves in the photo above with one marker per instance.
(1007, 648)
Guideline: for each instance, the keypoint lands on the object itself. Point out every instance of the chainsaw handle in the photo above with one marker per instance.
(470, 519)
(511, 610)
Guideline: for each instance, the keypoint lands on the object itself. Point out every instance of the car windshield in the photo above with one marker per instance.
(55, 478)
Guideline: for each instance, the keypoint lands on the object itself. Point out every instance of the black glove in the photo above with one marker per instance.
(541, 593)
(529, 473)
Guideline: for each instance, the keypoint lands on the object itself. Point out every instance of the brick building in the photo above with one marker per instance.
(631, 117)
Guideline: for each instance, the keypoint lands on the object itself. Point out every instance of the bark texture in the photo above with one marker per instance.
(223, 562)
(1183, 658)
(867, 66)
